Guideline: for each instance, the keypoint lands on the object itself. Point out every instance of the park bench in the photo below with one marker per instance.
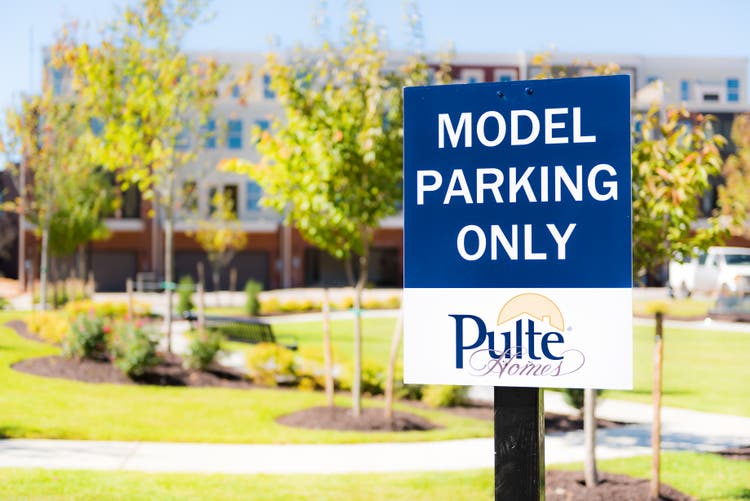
(246, 330)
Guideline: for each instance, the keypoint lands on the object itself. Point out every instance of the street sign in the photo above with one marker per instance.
(517, 234)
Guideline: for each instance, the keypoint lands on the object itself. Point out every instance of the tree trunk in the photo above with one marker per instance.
(169, 260)
(215, 278)
(357, 383)
(589, 437)
(43, 275)
(327, 348)
(656, 424)
(201, 309)
(131, 302)
(389, 382)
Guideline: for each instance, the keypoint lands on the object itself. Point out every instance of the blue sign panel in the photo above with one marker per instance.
(518, 184)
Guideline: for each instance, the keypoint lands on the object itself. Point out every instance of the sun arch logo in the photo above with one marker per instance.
(529, 340)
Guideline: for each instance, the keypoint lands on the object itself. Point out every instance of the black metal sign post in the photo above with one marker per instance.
(519, 444)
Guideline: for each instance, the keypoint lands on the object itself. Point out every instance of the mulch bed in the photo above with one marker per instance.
(570, 486)
(169, 372)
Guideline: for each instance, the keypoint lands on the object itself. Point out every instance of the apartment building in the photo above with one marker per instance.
(276, 255)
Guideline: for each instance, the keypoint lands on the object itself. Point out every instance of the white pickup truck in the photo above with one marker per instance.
(725, 270)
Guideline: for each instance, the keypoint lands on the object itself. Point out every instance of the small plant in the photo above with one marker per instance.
(574, 397)
(134, 348)
(50, 326)
(203, 349)
(291, 306)
(270, 305)
(444, 396)
(373, 378)
(252, 304)
(270, 364)
(113, 310)
(185, 294)
(4, 304)
(392, 302)
(406, 391)
(87, 338)
(345, 303)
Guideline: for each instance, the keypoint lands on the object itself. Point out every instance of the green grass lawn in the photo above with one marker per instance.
(703, 370)
(704, 476)
(376, 338)
(33, 406)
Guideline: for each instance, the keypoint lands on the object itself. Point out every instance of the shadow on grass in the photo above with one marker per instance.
(9, 432)
(742, 493)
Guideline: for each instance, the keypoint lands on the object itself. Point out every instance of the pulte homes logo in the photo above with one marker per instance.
(529, 340)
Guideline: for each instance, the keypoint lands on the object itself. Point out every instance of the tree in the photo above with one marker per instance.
(734, 194)
(673, 162)
(333, 166)
(64, 199)
(151, 100)
(220, 235)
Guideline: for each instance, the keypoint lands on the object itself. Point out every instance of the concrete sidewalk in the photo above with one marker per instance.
(681, 430)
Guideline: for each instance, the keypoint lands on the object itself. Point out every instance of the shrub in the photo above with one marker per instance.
(203, 349)
(373, 378)
(48, 325)
(574, 397)
(87, 338)
(185, 294)
(405, 391)
(134, 348)
(271, 364)
(4, 303)
(270, 305)
(113, 310)
(392, 302)
(444, 396)
(345, 303)
(371, 303)
(291, 306)
(310, 369)
(252, 305)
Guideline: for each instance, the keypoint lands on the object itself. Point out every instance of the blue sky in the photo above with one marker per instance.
(654, 27)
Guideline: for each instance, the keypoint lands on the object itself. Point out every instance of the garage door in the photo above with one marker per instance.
(112, 269)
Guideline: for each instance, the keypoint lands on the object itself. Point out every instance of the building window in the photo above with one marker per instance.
(234, 134)
(235, 90)
(472, 75)
(190, 197)
(57, 81)
(253, 193)
(684, 90)
(733, 90)
(268, 93)
(208, 133)
(182, 140)
(504, 76)
(711, 97)
(651, 79)
(131, 203)
(228, 199)
(96, 126)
